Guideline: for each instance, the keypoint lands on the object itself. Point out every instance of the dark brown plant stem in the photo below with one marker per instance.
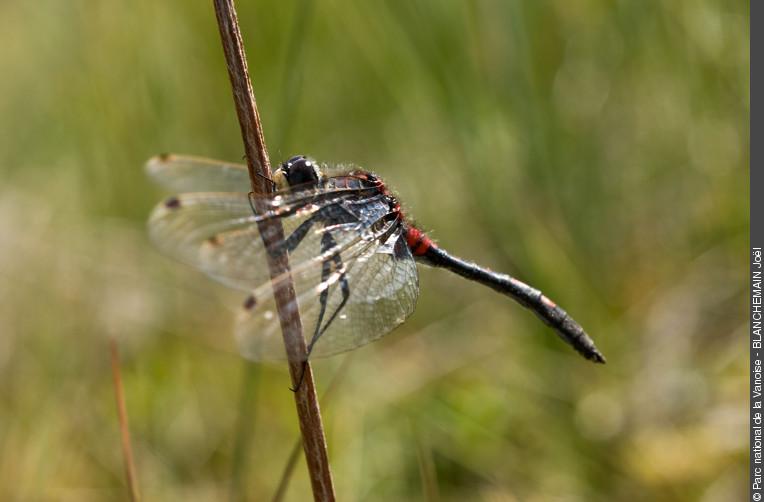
(291, 463)
(127, 450)
(308, 412)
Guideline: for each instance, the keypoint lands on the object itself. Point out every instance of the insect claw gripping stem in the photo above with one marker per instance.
(305, 363)
(302, 377)
(310, 349)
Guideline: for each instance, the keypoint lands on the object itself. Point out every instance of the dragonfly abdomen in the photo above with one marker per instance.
(531, 298)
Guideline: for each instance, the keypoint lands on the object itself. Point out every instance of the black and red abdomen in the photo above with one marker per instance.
(418, 241)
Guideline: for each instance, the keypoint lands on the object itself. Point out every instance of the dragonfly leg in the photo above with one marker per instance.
(326, 268)
(322, 216)
(296, 237)
(327, 242)
(345, 288)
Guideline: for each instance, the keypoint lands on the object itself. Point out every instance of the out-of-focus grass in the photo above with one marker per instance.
(596, 149)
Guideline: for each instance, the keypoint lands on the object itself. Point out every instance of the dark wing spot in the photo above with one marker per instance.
(214, 241)
(172, 203)
(250, 302)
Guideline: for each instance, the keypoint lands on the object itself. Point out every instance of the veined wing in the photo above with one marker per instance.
(186, 173)
(383, 289)
(219, 234)
(181, 173)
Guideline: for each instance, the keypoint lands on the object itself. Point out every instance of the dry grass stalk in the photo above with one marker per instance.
(258, 163)
(127, 450)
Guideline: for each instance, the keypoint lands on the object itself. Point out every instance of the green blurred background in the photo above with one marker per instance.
(596, 149)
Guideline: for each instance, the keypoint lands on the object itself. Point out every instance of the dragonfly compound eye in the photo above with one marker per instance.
(293, 160)
(300, 170)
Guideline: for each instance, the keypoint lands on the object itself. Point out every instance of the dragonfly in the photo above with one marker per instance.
(352, 253)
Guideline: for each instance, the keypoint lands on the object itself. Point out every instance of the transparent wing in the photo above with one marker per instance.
(186, 173)
(180, 173)
(383, 287)
(219, 234)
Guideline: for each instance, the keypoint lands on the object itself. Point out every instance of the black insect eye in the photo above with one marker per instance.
(300, 170)
(294, 160)
(286, 167)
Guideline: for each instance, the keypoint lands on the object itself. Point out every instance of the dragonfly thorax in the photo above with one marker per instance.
(298, 171)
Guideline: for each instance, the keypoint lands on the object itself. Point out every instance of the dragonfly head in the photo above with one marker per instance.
(298, 171)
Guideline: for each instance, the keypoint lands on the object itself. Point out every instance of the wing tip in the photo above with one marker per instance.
(158, 160)
(156, 164)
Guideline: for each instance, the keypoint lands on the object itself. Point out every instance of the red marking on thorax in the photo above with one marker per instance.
(418, 241)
